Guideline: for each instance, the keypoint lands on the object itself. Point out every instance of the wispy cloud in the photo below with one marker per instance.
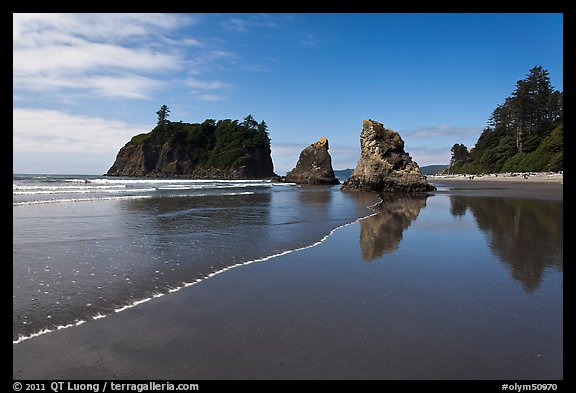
(89, 56)
(110, 55)
(308, 40)
(443, 131)
(418, 142)
(244, 24)
(206, 90)
(209, 97)
(43, 29)
(206, 85)
(430, 156)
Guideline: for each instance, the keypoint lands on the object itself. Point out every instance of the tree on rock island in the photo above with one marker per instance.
(163, 115)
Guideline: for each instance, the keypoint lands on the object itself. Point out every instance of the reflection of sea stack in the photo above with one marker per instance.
(384, 166)
(314, 166)
(381, 233)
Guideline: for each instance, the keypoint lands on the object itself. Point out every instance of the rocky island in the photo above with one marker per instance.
(384, 166)
(224, 149)
(314, 166)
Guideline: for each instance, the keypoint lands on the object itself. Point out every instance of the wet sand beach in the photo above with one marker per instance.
(416, 291)
(529, 177)
(539, 187)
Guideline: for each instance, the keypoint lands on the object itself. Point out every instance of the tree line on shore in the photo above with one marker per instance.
(525, 133)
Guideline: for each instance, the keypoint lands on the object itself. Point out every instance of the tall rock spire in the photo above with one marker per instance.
(384, 166)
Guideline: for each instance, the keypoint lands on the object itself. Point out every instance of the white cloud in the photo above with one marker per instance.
(287, 149)
(431, 145)
(308, 40)
(129, 86)
(443, 131)
(51, 131)
(208, 97)
(46, 28)
(430, 156)
(110, 55)
(119, 86)
(344, 157)
(209, 85)
(206, 90)
(244, 24)
(88, 56)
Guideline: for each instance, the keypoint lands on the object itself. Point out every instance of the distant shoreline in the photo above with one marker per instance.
(525, 177)
(535, 186)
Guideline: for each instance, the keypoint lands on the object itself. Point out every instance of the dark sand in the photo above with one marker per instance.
(286, 319)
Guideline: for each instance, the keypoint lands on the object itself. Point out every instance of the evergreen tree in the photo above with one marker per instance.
(530, 104)
(250, 122)
(263, 133)
(163, 114)
(459, 154)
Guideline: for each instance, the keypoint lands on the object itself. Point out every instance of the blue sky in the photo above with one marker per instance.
(84, 84)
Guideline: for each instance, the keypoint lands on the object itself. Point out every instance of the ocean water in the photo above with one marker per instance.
(440, 286)
(88, 246)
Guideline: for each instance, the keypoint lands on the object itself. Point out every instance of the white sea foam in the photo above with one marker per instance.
(213, 194)
(81, 200)
(167, 181)
(44, 331)
(125, 197)
(24, 187)
(188, 284)
(283, 184)
(93, 190)
(210, 186)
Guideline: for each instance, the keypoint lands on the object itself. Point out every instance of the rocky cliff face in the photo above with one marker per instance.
(173, 160)
(384, 166)
(314, 166)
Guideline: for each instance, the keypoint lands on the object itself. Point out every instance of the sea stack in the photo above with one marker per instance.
(384, 166)
(224, 149)
(314, 166)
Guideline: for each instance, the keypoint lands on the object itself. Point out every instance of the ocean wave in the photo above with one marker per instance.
(211, 195)
(44, 201)
(284, 184)
(100, 190)
(209, 186)
(128, 197)
(167, 181)
(23, 187)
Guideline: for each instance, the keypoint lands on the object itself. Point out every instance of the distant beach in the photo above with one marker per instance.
(532, 177)
(412, 291)
(536, 185)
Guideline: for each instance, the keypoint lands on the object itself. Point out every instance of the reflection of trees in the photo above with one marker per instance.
(526, 234)
(382, 232)
(457, 207)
